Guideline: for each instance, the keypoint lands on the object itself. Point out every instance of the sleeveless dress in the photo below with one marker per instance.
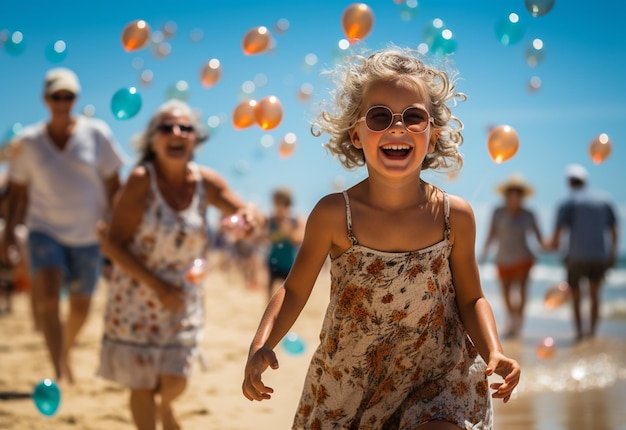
(393, 351)
(142, 339)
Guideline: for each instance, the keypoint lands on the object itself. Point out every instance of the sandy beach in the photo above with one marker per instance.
(582, 387)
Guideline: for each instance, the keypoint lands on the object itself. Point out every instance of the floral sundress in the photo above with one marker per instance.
(393, 351)
(142, 339)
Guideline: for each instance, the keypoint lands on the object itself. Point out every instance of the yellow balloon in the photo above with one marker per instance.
(502, 143)
(600, 148)
(136, 35)
(243, 115)
(256, 41)
(357, 21)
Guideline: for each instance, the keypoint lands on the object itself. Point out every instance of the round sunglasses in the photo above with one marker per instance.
(169, 128)
(379, 118)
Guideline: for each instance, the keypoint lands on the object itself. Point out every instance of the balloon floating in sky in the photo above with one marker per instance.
(546, 348)
(179, 91)
(268, 112)
(210, 73)
(305, 91)
(357, 21)
(15, 44)
(287, 146)
(244, 114)
(502, 143)
(539, 7)
(600, 148)
(509, 30)
(136, 35)
(443, 43)
(556, 295)
(197, 271)
(293, 344)
(126, 102)
(256, 41)
(535, 53)
(47, 397)
(56, 51)
(534, 84)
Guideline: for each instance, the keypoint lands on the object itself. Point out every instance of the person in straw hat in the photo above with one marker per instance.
(509, 227)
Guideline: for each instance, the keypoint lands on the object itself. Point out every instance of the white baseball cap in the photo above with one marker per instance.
(576, 171)
(59, 79)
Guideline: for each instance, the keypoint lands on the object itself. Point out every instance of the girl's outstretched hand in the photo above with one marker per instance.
(506, 367)
(253, 387)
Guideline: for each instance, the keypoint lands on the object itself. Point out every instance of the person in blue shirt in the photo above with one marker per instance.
(588, 217)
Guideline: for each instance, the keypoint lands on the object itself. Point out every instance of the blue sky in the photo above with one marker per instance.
(583, 91)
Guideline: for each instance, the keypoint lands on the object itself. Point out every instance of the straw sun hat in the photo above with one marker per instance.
(516, 182)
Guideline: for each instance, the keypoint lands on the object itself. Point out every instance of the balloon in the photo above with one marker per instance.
(293, 344)
(509, 30)
(539, 7)
(162, 49)
(126, 102)
(534, 84)
(268, 112)
(443, 43)
(15, 44)
(47, 397)
(357, 21)
(546, 348)
(244, 114)
(56, 51)
(169, 29)
(556, 295)
(535, 53)
(146, 77)
(431, 31)
(210, 73)
(282, 25)
(287, 146)
(136, 35)
(600, 148)
(179, 91)
(197, 271)
(256, 41)
(502, 143)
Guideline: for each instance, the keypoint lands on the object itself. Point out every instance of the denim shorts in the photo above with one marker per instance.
(81, 265)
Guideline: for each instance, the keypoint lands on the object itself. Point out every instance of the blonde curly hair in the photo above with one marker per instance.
(356, 74)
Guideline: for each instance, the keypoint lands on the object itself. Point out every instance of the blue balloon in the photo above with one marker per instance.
(15, 44)
(126, 102)
(47, 397)
(510, 30)
(56, 51)
(293, 344)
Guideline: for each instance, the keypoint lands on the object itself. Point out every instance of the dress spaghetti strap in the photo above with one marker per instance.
(349, 219)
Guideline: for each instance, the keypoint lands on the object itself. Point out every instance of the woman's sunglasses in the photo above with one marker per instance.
(379, 118)
(62, 98)
(169, 128)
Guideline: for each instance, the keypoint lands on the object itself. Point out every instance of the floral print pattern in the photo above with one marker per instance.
(393, 351)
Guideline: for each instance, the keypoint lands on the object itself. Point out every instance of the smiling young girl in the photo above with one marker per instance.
(408, 338)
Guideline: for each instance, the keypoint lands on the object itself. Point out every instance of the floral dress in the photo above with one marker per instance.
(142, 339)
(393, 351)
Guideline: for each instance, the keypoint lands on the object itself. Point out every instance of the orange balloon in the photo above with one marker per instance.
(210, 73)
(256, 41)
(357, 21)
(600, 148)
(556, 295)
(546, 348)
(502, 143)
(136, 35)
(287, 145)
(243, 115)
(268, 112)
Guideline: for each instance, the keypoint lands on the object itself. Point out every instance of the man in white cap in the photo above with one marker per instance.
(589, 218)
(62, 177)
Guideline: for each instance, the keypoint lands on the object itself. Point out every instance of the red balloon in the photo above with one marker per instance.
(244, 115)
(502, 143)
(600, 148)
(136, 35)
(357, 21)
(268, 112)
(210, 73)
(256, 41)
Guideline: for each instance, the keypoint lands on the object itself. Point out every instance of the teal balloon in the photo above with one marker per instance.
(15, 44)
(56, 51)
(293, 344)
(539, 7)
(126, 102)
(443, 44)
(510, 30)
(47, 397)
(432, 30)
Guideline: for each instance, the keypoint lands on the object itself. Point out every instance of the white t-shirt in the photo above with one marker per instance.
(66, 189)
